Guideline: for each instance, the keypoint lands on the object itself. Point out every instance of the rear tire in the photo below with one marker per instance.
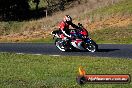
(61, 46)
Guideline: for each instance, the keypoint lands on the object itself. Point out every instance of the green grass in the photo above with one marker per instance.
(122, 8)
(41, 40)
(113, 35)
(32, 71)
(11, 27)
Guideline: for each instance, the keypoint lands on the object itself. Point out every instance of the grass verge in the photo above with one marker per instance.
(113, 35)
(117, 35)
(41, 40)
(124, 7)
(32, 71)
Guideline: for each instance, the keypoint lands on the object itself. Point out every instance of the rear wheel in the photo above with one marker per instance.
(61, 45)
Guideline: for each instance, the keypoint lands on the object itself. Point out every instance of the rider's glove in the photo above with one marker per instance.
(69, 36)
(65, 38)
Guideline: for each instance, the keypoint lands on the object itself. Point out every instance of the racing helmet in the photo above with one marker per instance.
(67, 18)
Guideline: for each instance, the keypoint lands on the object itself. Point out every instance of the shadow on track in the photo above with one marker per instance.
(107, 50)
(99, 50)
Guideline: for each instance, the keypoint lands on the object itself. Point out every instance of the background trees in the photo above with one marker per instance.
(13, 9)
(20, 9)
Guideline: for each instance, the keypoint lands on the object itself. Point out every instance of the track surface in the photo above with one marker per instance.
(105, 50)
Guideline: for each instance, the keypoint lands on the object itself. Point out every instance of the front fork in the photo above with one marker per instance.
(86, 41)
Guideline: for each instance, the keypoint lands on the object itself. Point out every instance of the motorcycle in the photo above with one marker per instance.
(79, 40)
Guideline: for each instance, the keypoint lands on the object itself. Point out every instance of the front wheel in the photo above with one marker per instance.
(91, 46)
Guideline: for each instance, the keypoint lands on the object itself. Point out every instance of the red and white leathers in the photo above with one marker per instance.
(64, 28)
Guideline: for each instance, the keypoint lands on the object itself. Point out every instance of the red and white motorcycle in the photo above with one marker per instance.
(79, 40)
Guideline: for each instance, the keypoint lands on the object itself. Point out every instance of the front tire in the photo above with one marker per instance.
(91, 47)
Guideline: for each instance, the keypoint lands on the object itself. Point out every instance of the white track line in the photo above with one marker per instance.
(19, 53)
(55, 55)
(28, 53)
(34, 54)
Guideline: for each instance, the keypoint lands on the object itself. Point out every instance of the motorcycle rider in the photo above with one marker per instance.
(64, 26)
(64, 29)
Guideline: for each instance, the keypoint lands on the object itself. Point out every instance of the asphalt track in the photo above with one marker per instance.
(105, 50)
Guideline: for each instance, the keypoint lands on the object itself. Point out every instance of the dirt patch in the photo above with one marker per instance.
(114, 21)
(25, 36)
